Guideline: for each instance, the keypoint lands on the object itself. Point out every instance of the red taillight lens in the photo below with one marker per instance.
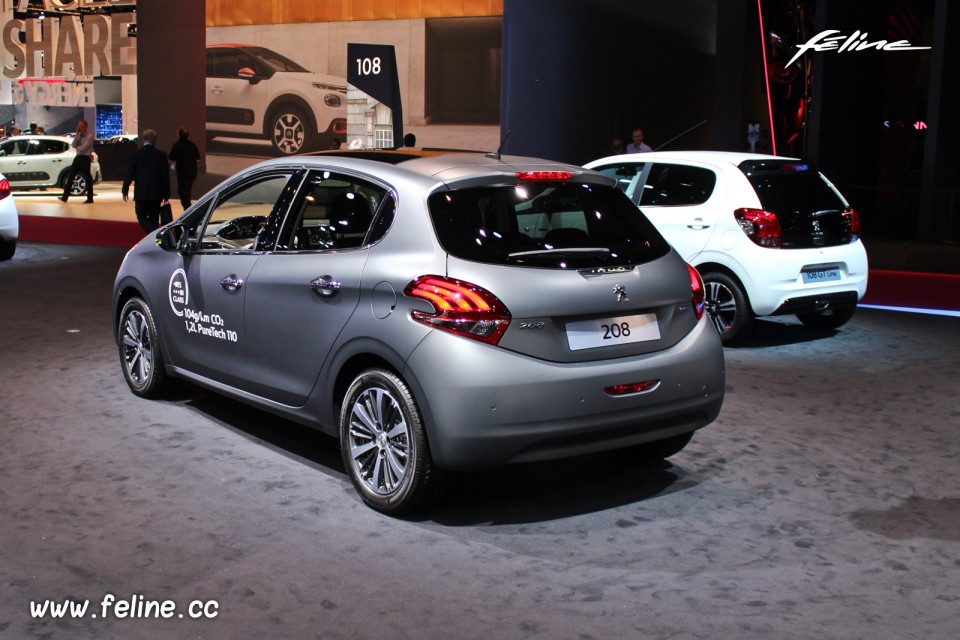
(460, 307)
(4, 188)
(697, 291)
(544, 175)
(852, 216)
(760, 226)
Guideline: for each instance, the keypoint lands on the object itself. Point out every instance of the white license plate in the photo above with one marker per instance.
(811, 276)
(607, 332)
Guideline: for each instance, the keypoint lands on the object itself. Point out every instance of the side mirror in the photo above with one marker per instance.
(173, 238)
(246, 73)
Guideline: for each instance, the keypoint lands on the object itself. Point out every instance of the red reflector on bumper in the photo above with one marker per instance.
(633, 387)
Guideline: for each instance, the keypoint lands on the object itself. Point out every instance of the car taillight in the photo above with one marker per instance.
(697, 291)
(544, 175)
(4, 188)
(460, 307)
(852, 218)
(761, 226)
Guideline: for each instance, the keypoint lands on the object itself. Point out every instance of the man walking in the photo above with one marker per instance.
(185, 159)
(150, 172)
(83, 143)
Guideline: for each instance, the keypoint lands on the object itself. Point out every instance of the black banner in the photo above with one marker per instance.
(372, 68)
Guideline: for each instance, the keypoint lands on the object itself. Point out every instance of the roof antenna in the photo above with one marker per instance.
(496, 154)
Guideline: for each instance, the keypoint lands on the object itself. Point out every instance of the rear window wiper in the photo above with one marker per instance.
(546, 252)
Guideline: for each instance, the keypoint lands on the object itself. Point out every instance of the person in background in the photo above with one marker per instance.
(150, 171)
(616, 147)
(40, 131)
(185, 161)
(83, 143)
(638, 145)
(410, 140)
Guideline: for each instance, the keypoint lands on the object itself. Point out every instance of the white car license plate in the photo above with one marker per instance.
(607, 332)
(811, 276)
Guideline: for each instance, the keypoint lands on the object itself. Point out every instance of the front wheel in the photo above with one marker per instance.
(828, 318)
(727, 306)
(140, 354)
(290, 131)
(384, 445)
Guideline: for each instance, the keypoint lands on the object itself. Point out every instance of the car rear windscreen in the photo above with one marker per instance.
(785, 187)
(545, 224)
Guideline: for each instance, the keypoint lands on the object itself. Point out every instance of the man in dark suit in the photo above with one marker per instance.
(150, 172)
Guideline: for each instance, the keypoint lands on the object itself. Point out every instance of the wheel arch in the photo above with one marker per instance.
(368, 354)
(131, 288)
(287, 100)
(716, 267)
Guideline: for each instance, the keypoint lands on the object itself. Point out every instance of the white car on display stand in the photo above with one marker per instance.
(9, 221)
(40, 162)
(769, 235)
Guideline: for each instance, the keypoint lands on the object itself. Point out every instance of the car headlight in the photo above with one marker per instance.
(332, 100)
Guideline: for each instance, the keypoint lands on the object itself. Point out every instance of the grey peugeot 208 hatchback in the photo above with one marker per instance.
(450, 312)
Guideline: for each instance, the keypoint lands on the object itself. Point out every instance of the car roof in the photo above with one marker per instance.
(711, 157)
(461, 168)
(45, 136)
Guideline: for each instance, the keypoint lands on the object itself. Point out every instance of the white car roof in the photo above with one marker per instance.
(710, 157)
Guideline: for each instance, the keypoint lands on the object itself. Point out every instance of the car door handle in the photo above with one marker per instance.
(325, 286)
(698, 225)
(231, 282)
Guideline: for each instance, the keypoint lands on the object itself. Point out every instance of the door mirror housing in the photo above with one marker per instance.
(173, 238)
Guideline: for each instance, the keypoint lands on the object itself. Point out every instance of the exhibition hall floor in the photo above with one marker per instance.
(823, 503)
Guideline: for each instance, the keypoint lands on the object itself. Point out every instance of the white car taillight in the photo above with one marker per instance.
(852, 218)
(460, 308)
(762, 227)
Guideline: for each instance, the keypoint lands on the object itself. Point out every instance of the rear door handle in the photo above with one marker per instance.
(325, 286)
(231, 282)
(697, 224)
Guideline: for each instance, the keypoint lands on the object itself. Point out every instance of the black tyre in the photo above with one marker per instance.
(727, 306)
(140, 354)
(828, 318)
(384, 445)
(290, 131)
(7, 249)
(78, 186)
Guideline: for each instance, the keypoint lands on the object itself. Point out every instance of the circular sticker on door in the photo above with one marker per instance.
(179, 293)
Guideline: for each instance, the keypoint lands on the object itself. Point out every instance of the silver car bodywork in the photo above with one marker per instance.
(293, 328)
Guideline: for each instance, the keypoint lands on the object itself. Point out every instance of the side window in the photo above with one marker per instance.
(627, 176)
(236, 219)
(333, 212)
(223, 63)
(675, 184)
(45, 147)
(12, 148)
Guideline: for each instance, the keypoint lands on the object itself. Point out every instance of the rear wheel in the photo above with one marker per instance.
(78, 186)
(828, 318)
(384, 445)
(727, 306)
(140, 354)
